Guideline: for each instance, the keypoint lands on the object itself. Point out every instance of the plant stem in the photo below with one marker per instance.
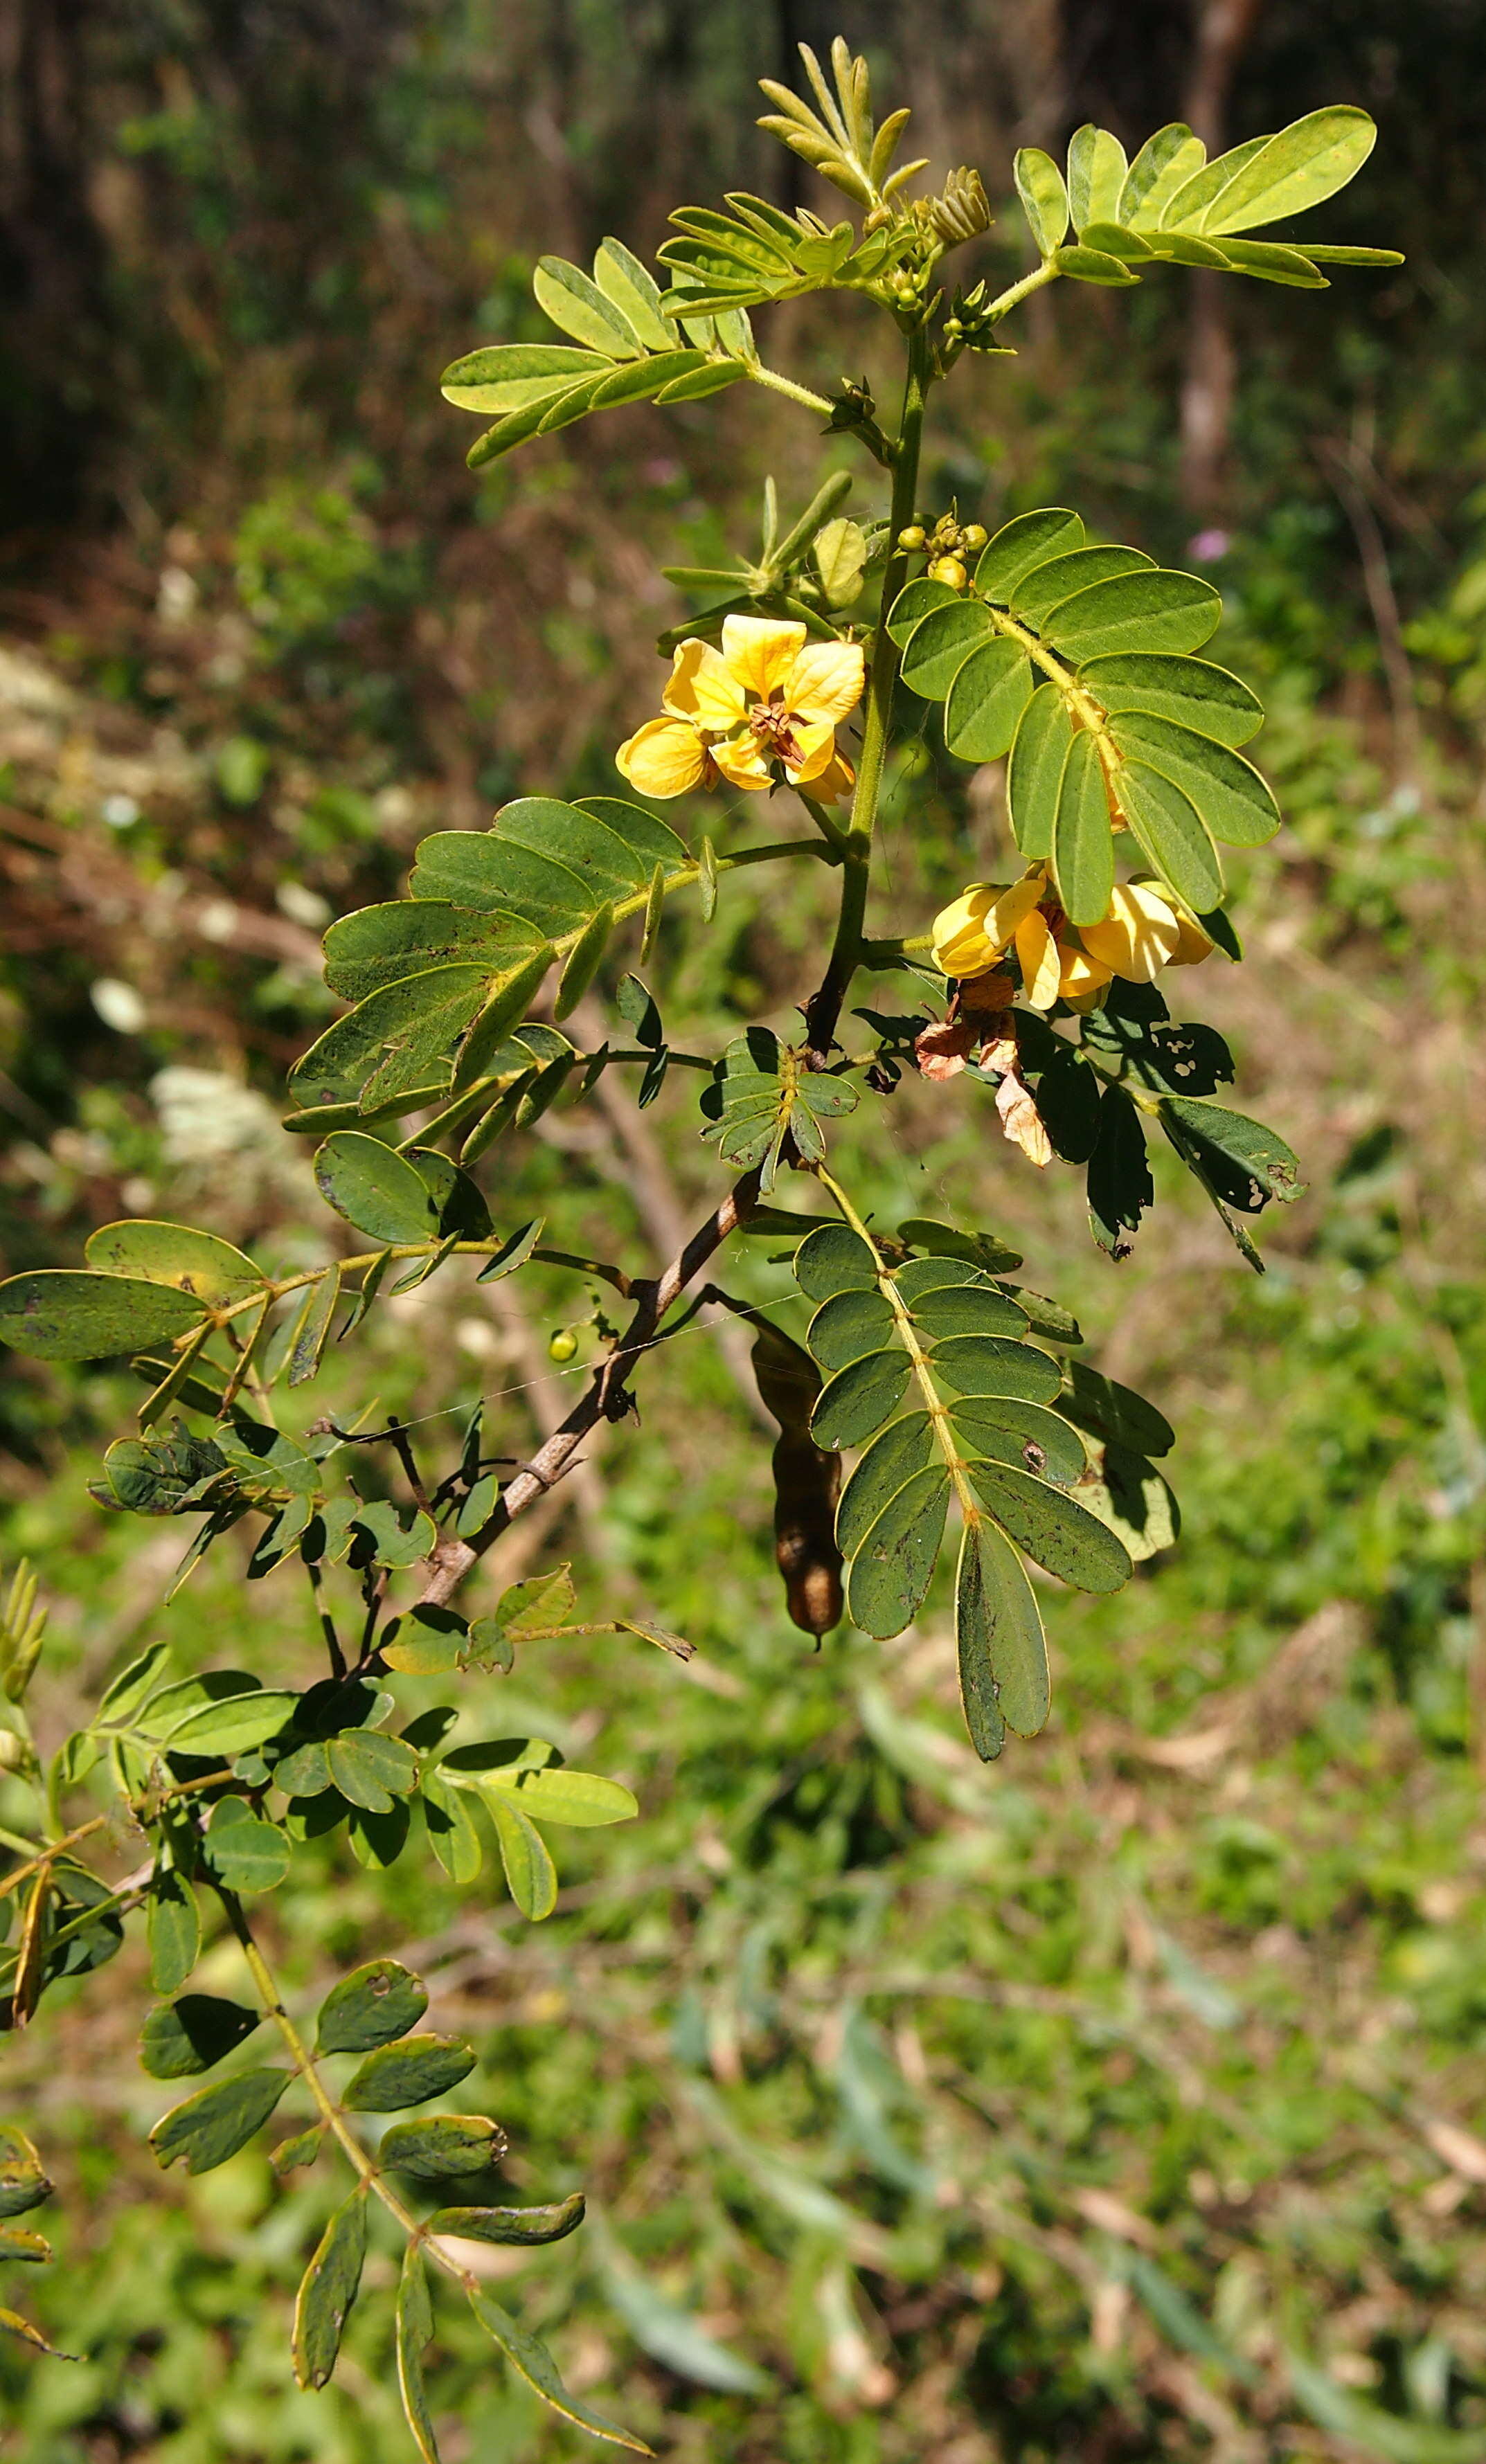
(777, 384)
(1023, 290)
(825, 1006)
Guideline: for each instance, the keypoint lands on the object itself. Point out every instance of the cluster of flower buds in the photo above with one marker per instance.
(971, 324)
(947, 545)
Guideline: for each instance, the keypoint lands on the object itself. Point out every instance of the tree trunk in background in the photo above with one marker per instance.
(51, 254)
(1223, 28)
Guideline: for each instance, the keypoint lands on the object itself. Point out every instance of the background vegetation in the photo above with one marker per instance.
(1124, 2099)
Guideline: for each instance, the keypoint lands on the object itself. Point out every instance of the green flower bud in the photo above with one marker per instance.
(561, 1345)
(950, 569)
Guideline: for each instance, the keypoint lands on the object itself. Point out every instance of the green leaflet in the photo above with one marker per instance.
(855, 1403)
(195, 1262)
(1226, 790)
(1096, 170)
(833, 1258)
(214, 2123)
(1049, 584)
(1022, 544)
(1135, 612)
(899, 1454)
(1192, 692)
(415, 2330)
(848, 1326)
(577, 305)
(1170, 835)
(1039, 751)
(375, 1188)
(378, 946)
(1083, 850)
(1051, 1528)
(999, 1642)
(373, 2005)
(1126, 1492)
(411, 2072)
(192, 2034)
(58, 1314)
(444, 2147)
(518, 2227)
(1039, 184)
(761, 1094)
(1078, 661)
(329, 2289)
(399, 1039)
(528, 2355)
(987, 697)
(1302, 167)
(23, 2178)
(511, 376)
(895, 1558)
(529, 1871)
(938, 1333)
(551, 864)
(940, 644)
(1163, 164)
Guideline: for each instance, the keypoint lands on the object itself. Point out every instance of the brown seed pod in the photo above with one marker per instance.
(807, 1483)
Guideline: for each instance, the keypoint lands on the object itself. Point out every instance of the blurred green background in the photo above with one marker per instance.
(1121, 2100)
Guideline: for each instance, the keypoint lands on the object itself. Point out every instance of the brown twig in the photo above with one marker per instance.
(607, 1397)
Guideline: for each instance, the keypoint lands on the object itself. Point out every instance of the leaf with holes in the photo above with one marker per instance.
(373, 2005)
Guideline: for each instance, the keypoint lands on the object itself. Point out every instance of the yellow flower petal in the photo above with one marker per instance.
(1014, 904)
(815, 746)
(835, 781)
(759, 651)
(703, 688)
(1192, 945)
(1040, 961)
(826, 682)
(959, 931)
(663, 757)
(741, 760)
(1137, 935)
(1081, 975)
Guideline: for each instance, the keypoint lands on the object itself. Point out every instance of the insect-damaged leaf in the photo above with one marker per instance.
(443, 2147)
(373, 2005)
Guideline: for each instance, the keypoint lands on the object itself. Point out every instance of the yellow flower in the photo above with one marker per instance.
(1140, 933)
(768, 701)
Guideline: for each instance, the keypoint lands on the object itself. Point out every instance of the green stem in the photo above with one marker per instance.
(332, 2115)
(825, 1007)
(777, 384)
(1023, 290)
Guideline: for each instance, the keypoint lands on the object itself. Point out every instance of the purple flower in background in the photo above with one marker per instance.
(1206, 547)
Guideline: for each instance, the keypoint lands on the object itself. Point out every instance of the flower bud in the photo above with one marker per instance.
(950, 569)
(974, 535)
(561, 1345)
(912, 536)
(14, 1751)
